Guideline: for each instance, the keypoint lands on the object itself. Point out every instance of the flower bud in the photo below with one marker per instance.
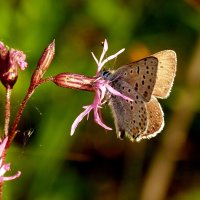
(74, 81)
(43, 64)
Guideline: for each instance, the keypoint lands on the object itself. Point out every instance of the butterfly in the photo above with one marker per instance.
(143, 81)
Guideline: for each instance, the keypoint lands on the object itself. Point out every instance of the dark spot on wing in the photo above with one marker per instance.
(145, 93)
(138, 70)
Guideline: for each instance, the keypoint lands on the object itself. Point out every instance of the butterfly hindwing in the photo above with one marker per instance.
(155, 117)
(130, 116)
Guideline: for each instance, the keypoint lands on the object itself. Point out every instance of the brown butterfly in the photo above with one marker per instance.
(143, 81)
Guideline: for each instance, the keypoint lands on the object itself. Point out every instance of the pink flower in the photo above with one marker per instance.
(3, 50)
(101, 87)
(18, 58)
(10, 61)
(5, 167)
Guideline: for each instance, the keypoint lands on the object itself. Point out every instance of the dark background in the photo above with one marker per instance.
(93, 164)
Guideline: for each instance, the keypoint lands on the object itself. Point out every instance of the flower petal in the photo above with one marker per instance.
(80, 118)
(110, 58)
(98, 120)
(11, 177)
(117, 93)
(95, 58)
(2, 145)
(4, 169)
(105, 45)
(3, 50)
(19, 58)
(105, 49)
(96, 105)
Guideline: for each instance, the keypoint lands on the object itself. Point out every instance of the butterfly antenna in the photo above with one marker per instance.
(114, 64)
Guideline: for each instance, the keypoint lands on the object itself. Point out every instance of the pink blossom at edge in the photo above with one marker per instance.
(4, 167)
(18, 57)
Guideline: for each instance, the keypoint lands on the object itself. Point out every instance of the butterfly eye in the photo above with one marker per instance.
(105, 74)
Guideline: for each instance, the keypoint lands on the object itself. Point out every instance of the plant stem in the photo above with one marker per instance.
(7, 111)
(46, 80)
(13, 131)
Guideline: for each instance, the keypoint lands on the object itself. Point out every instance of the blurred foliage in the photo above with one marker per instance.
(94, 164)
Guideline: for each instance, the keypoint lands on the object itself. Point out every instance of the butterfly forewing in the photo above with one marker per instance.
(140, 76)
(166, 72)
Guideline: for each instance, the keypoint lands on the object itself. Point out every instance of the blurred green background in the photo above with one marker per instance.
(94, 164)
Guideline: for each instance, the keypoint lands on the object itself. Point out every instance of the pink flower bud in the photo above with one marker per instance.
(74, 81)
